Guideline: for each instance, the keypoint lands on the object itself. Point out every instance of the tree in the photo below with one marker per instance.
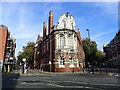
(28, 53)
(92, 54)
(99, 57)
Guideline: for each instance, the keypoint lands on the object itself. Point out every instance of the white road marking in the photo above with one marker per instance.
(23, 83)
(111, 74)
(54, 85)
(32, 83)
(117, 75)
(74, 86)
(87, 87)
(103, 84)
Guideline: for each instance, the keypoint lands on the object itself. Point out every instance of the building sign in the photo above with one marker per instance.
(1, 65)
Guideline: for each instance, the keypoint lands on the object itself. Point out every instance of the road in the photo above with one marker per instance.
(35, 79)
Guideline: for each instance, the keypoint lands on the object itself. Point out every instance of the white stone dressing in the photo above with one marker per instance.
(66, 21)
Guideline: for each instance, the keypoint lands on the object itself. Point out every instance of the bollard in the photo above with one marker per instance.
(8, 68)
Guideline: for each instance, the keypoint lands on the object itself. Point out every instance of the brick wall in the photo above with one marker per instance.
(3, 39)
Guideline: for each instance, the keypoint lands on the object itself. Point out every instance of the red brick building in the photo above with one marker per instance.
(7, 49)
(61, 49)
(3, 41)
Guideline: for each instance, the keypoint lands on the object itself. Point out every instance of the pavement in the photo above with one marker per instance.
(38, 79)
(36, 72)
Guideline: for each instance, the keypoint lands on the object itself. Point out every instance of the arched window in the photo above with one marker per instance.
(62, 41)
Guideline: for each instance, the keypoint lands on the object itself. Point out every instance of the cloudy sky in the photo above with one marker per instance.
(25, 19)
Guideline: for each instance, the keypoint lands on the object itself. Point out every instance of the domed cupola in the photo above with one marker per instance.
(66, 21)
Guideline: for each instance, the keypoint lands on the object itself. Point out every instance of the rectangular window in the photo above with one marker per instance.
(62, 41)
(71, 60)
(70, 41)
(61, 61)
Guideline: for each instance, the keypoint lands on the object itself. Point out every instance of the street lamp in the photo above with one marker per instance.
(89, 46)
(88, 34)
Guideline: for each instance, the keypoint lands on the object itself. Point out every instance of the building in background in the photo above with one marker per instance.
(112, 51)
(7, 50)
(61, 49)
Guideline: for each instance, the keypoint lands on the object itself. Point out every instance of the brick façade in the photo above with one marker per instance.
(50, 48)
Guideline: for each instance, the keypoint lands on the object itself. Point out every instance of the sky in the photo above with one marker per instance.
(25, 19)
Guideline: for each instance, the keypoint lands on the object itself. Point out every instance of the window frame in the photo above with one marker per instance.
(62, 41)
(61, 61)
(71, 61)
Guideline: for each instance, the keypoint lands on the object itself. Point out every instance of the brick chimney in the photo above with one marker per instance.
(44, 30)
(50, 22)
(79, 36)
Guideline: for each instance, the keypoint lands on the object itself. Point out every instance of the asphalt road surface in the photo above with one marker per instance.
(36, 79)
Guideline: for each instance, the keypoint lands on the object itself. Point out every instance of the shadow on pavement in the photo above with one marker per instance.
(9, 80)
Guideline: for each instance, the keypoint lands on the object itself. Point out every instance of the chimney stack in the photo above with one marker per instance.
(50, 22)
(44, 30)
(79, 36)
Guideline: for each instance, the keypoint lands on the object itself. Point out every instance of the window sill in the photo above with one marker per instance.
(71, 65)
(62, 66)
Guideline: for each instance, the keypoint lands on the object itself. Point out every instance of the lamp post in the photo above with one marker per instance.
(90, 50)
(89, 41)
(88, 34)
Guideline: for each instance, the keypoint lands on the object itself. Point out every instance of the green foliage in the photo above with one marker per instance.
(99, 57)
(92, 54)
(28, 52)
(18, 62)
